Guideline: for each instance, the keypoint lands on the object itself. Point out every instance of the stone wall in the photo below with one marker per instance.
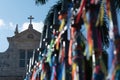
(11, 78)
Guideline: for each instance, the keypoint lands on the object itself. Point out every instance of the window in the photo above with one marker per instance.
(29, 55)
(22, 58)
(36, 55)
(22, 63)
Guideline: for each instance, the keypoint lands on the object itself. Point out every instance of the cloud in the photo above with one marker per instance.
(2, 22)
(36, 25)
(12, 25)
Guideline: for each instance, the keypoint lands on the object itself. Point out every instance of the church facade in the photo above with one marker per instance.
(13, 62)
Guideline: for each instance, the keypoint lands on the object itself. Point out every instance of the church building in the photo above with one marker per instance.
(13, 62)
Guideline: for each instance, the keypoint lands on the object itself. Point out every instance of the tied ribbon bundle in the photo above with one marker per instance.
(89, 32)
(75, 49)
(63, 72)
(80, 10)
(54, 74)
(98, 74)
(50, 51)
(61, 29)
(62, 25)
(75, 72)
(62, 53)
(70, 45)
(33, 75)
(90, 41)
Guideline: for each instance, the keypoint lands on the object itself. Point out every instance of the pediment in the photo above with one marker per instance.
(27, 35)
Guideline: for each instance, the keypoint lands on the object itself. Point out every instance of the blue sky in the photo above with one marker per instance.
(16, 12)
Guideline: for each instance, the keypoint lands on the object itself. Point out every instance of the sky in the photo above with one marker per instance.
(16, 12)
